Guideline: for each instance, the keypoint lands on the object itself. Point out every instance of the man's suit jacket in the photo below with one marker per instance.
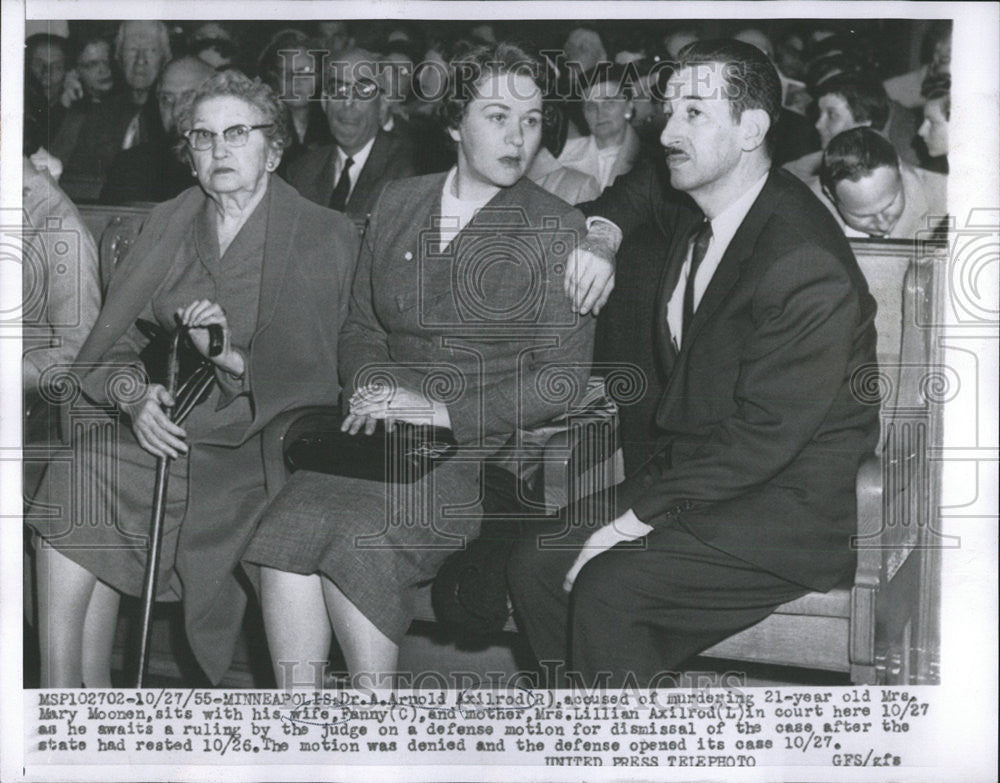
(645, 207)
(762, 432)
(88, 143)
(147, 172)
(312, 173)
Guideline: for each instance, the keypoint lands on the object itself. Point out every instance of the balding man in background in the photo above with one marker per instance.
(151, 171)
(872, 193)
(349, 174)
(142, 48)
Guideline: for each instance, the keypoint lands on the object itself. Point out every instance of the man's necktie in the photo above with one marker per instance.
(131, 137)
(701, 240)
(338, 199)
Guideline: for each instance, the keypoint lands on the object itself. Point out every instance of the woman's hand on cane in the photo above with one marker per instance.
(197, 317)
(152, 426)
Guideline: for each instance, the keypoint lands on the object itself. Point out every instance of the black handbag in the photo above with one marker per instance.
(403, 455)
(469, 594)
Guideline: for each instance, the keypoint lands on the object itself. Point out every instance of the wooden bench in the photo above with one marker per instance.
(880, 627)
(114, 229)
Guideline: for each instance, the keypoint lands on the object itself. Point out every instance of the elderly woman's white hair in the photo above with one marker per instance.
(162, 36)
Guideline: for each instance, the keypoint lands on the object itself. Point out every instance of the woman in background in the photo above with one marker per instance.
(613, 145)
(286, 65)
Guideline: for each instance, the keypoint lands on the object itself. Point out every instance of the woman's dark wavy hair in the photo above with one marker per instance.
(468, 70)
(234, 84)
(865, 97)
(269, 63)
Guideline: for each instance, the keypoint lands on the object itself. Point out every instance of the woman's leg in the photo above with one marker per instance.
(371, 656)
(99, 627)
(75, 622)
(298, 632)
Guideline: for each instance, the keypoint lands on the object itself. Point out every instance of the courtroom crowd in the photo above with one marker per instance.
(100, 102)
(294, 169)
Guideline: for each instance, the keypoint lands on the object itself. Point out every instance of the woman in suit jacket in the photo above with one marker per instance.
(244, 251)
(457, 319)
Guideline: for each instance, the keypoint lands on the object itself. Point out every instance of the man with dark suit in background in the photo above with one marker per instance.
(151, 170)
(349, 174)
(763, 320)
(122, 121)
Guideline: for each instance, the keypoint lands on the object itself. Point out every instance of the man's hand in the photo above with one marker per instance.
(72, 88)
(627, 527)
(590, 268)
(43, 159)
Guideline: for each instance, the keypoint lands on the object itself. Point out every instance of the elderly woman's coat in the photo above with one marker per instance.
(308, 264)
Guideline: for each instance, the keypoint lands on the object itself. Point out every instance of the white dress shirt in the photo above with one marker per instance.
(360, 158)
(724, 227)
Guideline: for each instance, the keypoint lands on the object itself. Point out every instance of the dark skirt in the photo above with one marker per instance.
(378, 542)
(96, 507)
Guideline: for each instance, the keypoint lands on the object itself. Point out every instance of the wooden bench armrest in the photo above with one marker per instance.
(581, 460)
(870, 521)
(282, 429)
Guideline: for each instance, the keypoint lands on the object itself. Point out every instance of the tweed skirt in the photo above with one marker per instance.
(379, 542)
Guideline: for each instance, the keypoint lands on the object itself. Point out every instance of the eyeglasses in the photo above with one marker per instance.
(236, 136)
(361, 90)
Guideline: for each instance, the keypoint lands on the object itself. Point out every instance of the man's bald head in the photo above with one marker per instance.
(360, 63)
(584, 49)
(756, 37)
(181, 76)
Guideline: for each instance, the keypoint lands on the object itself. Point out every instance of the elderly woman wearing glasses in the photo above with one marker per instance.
(244, 251)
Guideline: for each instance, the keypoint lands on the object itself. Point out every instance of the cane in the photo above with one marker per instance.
(187, 397)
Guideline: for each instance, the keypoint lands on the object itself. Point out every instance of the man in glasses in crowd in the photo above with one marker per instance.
(349, 174)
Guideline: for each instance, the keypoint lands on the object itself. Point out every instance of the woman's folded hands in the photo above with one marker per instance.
(379, 402)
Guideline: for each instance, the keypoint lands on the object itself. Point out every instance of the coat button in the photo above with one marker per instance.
(408, 256)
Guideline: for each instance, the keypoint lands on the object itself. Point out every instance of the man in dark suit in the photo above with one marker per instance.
(349, 174)
(151, 170)
(763, 321)
(88, 147)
